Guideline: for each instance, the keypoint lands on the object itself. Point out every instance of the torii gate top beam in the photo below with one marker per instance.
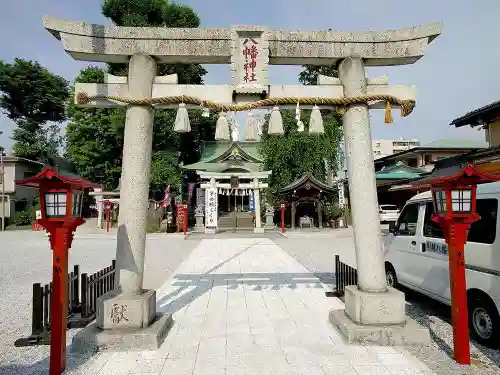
(115, 44)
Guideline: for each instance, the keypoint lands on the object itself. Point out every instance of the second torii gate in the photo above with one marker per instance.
(373, 312)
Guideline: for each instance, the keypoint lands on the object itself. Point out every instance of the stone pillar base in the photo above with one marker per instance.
(199, 228)
(124, 322)
(377, 318)
(92, 338)
(258, 230)
(210, 230)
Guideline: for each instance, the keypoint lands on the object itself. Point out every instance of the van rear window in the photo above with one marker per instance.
(482, 231)
(388, 207)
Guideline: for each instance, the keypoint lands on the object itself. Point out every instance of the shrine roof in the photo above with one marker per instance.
(479, 116)
(59, 174)
(219, 156)
(470, 173)
(398, 171)
(303, 181)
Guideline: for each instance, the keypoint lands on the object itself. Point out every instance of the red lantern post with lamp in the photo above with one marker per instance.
(454, 197)
(61, 198)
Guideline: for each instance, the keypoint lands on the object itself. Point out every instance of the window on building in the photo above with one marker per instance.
(28, 174)
(20, 206)
(377, 144)
(427, 159)
(407, 222)
(413, 163)
(482, 231)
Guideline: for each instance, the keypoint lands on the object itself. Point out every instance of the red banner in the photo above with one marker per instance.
(166, 199)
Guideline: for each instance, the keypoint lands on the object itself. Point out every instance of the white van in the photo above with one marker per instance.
(416, 256)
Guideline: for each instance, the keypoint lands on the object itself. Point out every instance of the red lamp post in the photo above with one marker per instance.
(454, 197)
(61, 200)
(282, 218)
(108, 205)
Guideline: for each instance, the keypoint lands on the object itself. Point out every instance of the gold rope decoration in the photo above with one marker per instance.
(406, 105)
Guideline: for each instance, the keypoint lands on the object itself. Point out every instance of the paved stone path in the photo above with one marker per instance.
(244, 306)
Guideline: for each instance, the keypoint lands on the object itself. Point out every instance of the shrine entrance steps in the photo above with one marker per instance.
(225, 234)
(235, 220)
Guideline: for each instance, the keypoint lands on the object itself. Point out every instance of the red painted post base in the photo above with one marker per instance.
(185, 227)
(60, 239)
(456, 236)
(282, 219)
(108, 218)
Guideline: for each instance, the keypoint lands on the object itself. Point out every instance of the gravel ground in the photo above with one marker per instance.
(316, 252)
(26, 259)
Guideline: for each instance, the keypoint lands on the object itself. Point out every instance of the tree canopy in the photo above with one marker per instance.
(34, 99)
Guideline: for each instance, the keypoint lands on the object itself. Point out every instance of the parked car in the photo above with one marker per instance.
(388, 213)
(416, 256)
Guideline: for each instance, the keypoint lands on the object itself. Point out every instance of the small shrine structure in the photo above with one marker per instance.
(305, 197)
(101, 196)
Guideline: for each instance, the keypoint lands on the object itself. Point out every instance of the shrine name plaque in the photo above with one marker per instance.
(235, 182)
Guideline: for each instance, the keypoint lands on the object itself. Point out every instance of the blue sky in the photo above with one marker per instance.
(458, 73)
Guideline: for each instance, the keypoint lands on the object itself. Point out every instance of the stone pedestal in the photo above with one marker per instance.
(210, 230)
(116, 311)
(269, 220)
(199, 226)
(377, 318)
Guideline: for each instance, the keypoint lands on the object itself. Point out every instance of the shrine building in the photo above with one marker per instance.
(231, 178)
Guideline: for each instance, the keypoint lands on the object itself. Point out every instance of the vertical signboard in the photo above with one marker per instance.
(340, 187)
(251, 201)
(211, 207)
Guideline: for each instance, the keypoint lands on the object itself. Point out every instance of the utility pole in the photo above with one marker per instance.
(2, 174)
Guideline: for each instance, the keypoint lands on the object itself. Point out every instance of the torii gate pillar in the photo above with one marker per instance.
(373, 312)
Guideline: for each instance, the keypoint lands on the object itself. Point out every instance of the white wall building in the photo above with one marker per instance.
(385, 147)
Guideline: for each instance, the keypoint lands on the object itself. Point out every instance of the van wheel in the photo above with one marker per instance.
(390, 276)
(484, 321)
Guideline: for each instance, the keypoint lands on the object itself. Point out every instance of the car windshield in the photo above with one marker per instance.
(388, 207)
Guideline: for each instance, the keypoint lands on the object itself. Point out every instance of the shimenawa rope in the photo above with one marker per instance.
(406, 105)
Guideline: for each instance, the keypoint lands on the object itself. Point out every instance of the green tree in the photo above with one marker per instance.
(34, 99)
(94, 137)
(309, 76)
(165, 170)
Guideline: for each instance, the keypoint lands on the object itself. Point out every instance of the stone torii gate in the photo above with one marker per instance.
(373, 312)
